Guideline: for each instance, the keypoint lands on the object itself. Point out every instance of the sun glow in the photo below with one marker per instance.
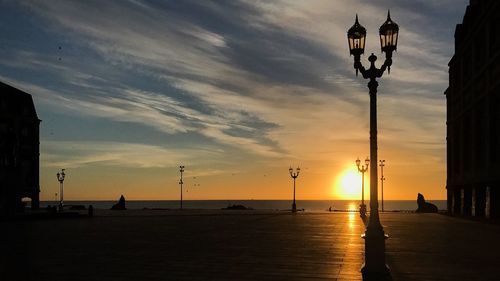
(348, 185)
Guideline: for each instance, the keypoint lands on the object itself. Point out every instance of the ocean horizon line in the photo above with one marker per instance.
(256, 204)
(129, 200)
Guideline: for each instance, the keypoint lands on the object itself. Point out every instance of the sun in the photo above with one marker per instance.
(348, 185)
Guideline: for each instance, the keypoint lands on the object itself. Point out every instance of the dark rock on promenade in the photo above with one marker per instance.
(243, 245)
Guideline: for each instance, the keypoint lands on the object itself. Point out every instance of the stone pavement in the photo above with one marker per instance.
(438, 247)
(234, 245)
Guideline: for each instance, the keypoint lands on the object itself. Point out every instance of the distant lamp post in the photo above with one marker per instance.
(382, 179)
(60, 178)
(294, 175)
(374, 267)
(362, 170)
(181, 169)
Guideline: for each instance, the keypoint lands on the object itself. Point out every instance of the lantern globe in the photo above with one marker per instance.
(356, 37)
(389, 32)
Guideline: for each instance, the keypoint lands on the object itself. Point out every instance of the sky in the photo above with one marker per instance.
(236, 91)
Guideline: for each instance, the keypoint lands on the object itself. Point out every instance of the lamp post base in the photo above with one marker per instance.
(375, 267)
(380, 275)
(294, 208)
(362, 210)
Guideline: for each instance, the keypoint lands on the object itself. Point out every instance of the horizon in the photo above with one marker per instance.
(237, 92)
(175, 200)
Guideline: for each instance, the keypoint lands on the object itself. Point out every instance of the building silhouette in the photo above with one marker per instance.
(473, 113)
(19, 149)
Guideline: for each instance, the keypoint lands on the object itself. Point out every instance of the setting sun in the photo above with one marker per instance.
(348, 185)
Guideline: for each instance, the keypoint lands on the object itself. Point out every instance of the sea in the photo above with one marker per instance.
(307, 205)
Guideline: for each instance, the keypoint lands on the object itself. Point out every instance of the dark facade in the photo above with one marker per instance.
(19, 149)
(473, 113)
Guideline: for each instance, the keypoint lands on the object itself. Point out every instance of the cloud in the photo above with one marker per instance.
(270, 78)
(73, 154)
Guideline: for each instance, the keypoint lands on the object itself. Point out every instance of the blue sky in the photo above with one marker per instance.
(235, 90)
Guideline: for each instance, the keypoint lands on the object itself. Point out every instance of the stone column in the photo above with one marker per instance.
(480, 201)
(458, 201)
(449, 200)
(35, 201)
(467, 201)
(473, 205)
(462, 201)
(453, 203)
(488, 203)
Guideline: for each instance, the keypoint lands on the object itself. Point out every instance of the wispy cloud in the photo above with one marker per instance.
(74, 154)
(272, 80)
(192, 57)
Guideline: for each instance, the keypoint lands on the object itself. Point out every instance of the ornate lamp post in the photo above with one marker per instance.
(60, 178)
(362, 170)
(382, 179)
(181, 169)
(294, 175)
(374, 267)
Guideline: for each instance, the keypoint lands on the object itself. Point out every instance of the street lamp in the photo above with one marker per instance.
(362, 170)
(294, 175)
(374, 267)
(181, 169)
(382, 179)
(60, 178)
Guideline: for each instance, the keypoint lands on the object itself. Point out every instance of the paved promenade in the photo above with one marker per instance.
(437, 247)
(243, 245)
